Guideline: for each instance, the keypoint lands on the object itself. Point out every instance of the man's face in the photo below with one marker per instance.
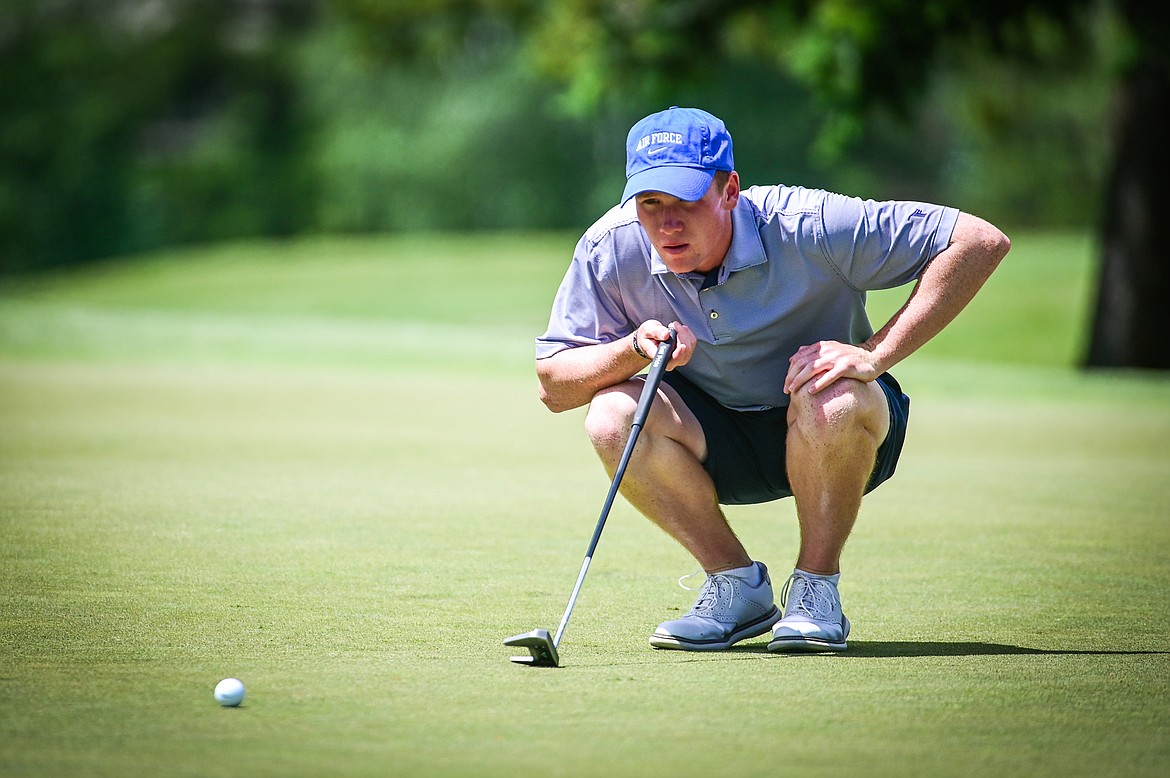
(690, 235)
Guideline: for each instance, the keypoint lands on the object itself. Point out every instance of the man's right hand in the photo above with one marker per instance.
(650, 334)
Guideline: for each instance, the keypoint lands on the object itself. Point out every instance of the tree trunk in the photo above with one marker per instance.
(1133, 293)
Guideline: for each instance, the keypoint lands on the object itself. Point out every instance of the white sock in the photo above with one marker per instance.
(750, 573)
(833, 579)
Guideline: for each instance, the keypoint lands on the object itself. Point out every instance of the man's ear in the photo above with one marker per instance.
(731, 191)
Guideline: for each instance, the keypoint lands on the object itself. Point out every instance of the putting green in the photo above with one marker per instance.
(348, 501)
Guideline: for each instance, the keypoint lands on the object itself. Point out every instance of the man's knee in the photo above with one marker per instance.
(845, 407)
(607, 422)
(611, 414)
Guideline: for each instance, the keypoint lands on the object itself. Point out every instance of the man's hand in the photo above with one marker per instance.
(651, 334)
(818, 365)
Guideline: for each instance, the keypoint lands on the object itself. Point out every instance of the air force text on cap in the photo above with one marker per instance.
(660, 137)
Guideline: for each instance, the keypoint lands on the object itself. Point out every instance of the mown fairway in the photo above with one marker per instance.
(321, 467)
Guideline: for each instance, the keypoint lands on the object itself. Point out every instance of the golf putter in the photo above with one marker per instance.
(542, 649)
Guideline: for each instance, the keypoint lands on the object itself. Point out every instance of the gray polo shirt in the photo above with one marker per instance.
(797, 271)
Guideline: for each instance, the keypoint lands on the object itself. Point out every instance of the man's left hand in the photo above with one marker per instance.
(818, 365)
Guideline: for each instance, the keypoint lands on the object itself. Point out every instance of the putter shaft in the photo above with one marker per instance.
(645, 400)
(542, 648)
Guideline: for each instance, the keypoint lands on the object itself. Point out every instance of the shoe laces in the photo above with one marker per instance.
(710, 595)
(688, 576)
(814, 597)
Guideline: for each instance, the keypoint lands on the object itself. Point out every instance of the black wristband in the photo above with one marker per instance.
(638, 349)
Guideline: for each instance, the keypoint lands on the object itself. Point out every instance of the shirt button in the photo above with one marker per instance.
(714, 314)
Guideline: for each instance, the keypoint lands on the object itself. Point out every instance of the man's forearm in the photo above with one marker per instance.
(570, 378)
(946, 286)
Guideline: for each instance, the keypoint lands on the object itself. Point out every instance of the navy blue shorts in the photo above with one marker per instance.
(746, 449)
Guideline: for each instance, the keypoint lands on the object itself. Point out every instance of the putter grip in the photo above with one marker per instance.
(654, 377)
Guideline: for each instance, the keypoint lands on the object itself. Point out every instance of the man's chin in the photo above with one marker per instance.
(680, 262)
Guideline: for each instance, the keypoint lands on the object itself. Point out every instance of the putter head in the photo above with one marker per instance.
(542, 652)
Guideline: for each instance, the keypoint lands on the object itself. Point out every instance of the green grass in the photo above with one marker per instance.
(1033, 310)
(311, 466)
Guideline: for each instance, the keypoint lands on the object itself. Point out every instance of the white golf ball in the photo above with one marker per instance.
(229, 692)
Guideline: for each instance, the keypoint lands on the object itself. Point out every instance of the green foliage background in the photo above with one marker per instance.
(138, 125)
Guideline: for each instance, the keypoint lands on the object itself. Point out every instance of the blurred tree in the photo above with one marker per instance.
(1135, 271)
(465, 141)
(124, 125)
(857, 56)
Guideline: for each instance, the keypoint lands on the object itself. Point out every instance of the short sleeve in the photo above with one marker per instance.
(587, 309)
(879, 245)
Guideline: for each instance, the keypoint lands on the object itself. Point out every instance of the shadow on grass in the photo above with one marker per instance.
(897, 648)
(871, 649)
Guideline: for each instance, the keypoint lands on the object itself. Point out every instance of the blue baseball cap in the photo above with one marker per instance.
(676, 151)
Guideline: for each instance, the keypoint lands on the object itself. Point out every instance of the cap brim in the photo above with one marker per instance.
(685, 183)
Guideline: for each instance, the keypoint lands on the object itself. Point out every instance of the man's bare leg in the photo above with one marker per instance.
(833, 438)
(667, 482)
(665, 479)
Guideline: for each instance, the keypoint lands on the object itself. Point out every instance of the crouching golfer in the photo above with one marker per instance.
(778, 385)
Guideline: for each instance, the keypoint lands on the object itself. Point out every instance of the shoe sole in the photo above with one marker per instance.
(754, 629)
(805, 646)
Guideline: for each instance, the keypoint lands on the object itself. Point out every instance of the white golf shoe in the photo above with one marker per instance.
(813, 620)
(728, 610)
